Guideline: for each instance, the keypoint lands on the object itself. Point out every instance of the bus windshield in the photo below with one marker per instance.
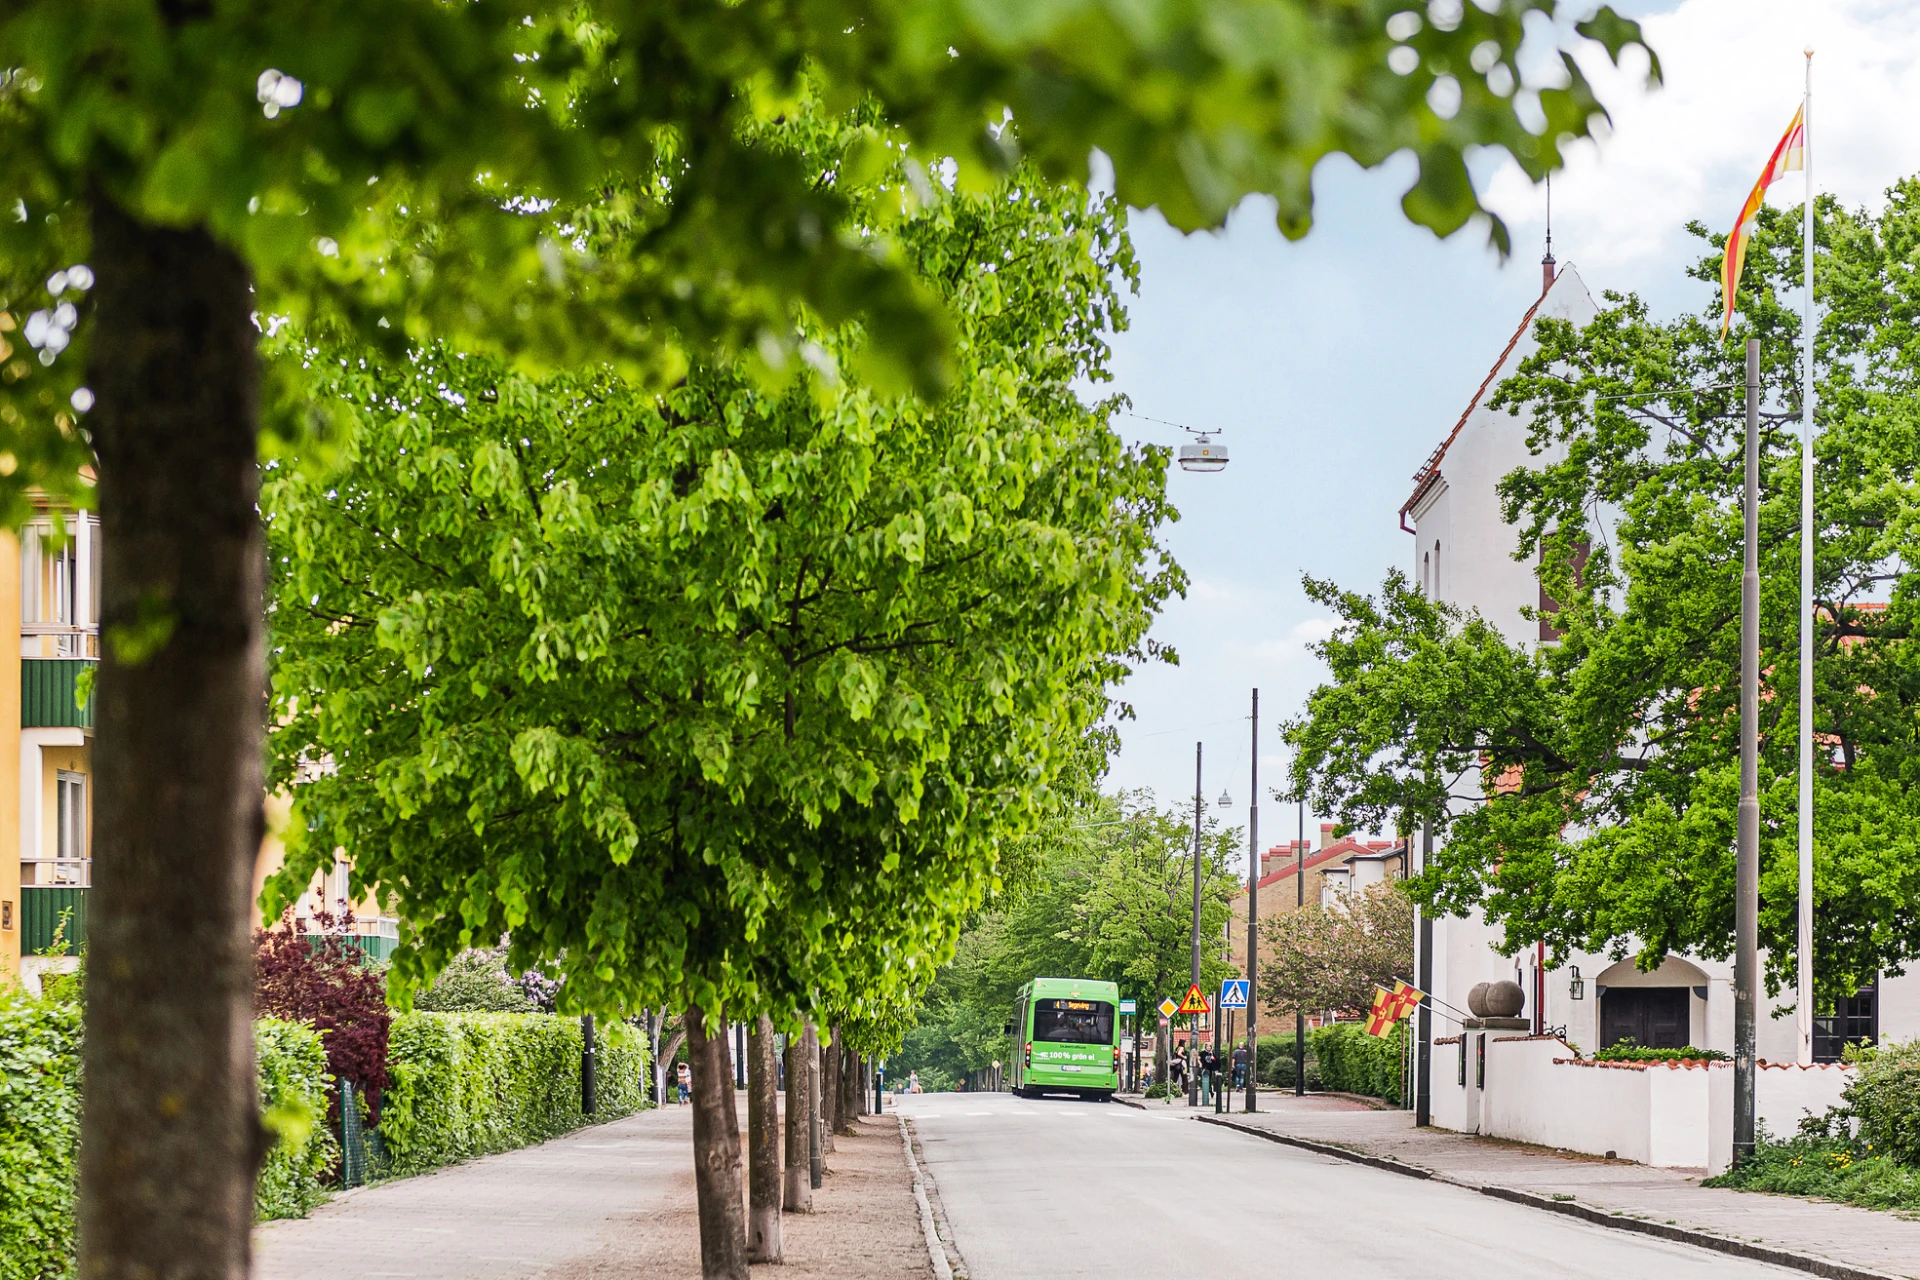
(1073, 1021)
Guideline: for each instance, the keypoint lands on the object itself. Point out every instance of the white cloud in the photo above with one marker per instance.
(1692, 149)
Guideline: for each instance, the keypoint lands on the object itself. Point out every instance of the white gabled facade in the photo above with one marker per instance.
(1463, 555)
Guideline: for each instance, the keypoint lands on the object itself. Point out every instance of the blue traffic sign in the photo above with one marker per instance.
(1233, 993)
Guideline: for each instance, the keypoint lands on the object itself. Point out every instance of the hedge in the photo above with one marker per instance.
(291, 1062)
(40, 1129)
(470, 1084)
(39, 1135)
(1351, 1061)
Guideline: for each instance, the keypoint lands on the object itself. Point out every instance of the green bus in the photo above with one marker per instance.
(1068, 1041)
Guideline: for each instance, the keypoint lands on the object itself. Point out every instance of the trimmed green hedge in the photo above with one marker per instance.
(40, 1129)
(39, 1135)
(291, 1062)
(1351, 1061)
(470, 1084)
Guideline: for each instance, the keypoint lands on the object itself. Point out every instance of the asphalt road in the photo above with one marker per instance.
(1062, 1189)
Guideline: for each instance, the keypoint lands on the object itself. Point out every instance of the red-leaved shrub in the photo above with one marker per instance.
(324, 981)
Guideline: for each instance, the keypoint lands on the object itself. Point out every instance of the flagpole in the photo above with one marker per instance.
(1804, 977)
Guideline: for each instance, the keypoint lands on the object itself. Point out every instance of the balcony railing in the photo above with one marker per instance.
(49, 694)
(68, 641)
(67, 873)
(41, 911)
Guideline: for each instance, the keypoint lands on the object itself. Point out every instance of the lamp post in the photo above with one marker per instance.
(1253, 905)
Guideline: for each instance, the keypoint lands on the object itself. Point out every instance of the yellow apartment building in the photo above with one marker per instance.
(50, 597)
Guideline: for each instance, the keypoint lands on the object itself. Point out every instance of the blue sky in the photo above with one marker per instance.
(1335, 364)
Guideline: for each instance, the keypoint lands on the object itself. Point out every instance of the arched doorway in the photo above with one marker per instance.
(1656, 1010)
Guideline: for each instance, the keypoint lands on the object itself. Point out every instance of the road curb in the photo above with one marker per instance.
(1128, 1102)
(1323, 1148)
(1573, 1209)
(936, 1251)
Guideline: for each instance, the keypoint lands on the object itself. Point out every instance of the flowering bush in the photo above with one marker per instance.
(325, 982)
(475, 981)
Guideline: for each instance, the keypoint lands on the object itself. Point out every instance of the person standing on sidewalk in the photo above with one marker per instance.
(684, 1076)
(1240, 1066)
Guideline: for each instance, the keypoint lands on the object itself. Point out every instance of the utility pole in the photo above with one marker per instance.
(1199, 807)
(1300, 900)
(1423, 1066)
(1746, 873)
(1253, 905)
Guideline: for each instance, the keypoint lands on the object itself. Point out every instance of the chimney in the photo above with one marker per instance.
(1326, 834)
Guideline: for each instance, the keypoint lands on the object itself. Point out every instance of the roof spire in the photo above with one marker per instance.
(1547, 263)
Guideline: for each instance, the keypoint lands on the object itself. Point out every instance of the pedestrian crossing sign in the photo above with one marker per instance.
(1233, 993)
(1168, 1007)
(1196, 1001)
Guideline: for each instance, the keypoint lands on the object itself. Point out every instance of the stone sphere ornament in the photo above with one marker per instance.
(1504, 999)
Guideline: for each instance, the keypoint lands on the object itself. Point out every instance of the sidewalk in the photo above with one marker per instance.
(1827, 1239)
(609, 1200)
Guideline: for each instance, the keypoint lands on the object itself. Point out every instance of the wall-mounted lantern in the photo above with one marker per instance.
(1577, 988)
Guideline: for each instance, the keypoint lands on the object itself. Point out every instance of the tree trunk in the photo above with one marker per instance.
(170, 1131)
(849, 1091)
(816, 1137)
(830, 1056)
(763, 1145)
(716, 1154)
(798, 1197)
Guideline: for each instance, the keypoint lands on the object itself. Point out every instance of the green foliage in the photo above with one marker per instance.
(1882, 1099)
(39, 1135)
(1275, 1062)
(469, 1084)
(294, 1089)
(1351, 1061)
(727, 694)
(1107, 893)
(40, 1129)
(584, 181)
(1627, 1051)
(475, 981)
(1619, 745)
(1826, 1169)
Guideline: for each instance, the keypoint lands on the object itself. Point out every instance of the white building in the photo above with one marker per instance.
(1463, 555)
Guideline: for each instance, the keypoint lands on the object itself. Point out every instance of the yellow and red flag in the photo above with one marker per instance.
(1407, 997)
(1383, 1014)
(1789, 155)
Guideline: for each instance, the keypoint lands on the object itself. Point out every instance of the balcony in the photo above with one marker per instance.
(41, 910)
(49, 693)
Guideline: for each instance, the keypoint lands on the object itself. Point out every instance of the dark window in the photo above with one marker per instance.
(1652, 1017)
(1855, 1021)
(1480, 1062)
(1463, 1061)
(1073, 1021)
(1549, 607)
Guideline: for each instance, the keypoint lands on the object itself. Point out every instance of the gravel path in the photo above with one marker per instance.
(612, 1200)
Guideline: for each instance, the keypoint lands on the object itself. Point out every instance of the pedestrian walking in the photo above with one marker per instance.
(1240, 1066)
(683, 1076)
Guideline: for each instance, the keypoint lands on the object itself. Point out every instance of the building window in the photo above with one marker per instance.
(70, 847)
(59, 590)
(1855, 1020)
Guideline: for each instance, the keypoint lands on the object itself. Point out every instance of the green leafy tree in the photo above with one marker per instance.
(723, 696)
(574, 182)
(1321, 958)
(1612, 821)
(1109, 896)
